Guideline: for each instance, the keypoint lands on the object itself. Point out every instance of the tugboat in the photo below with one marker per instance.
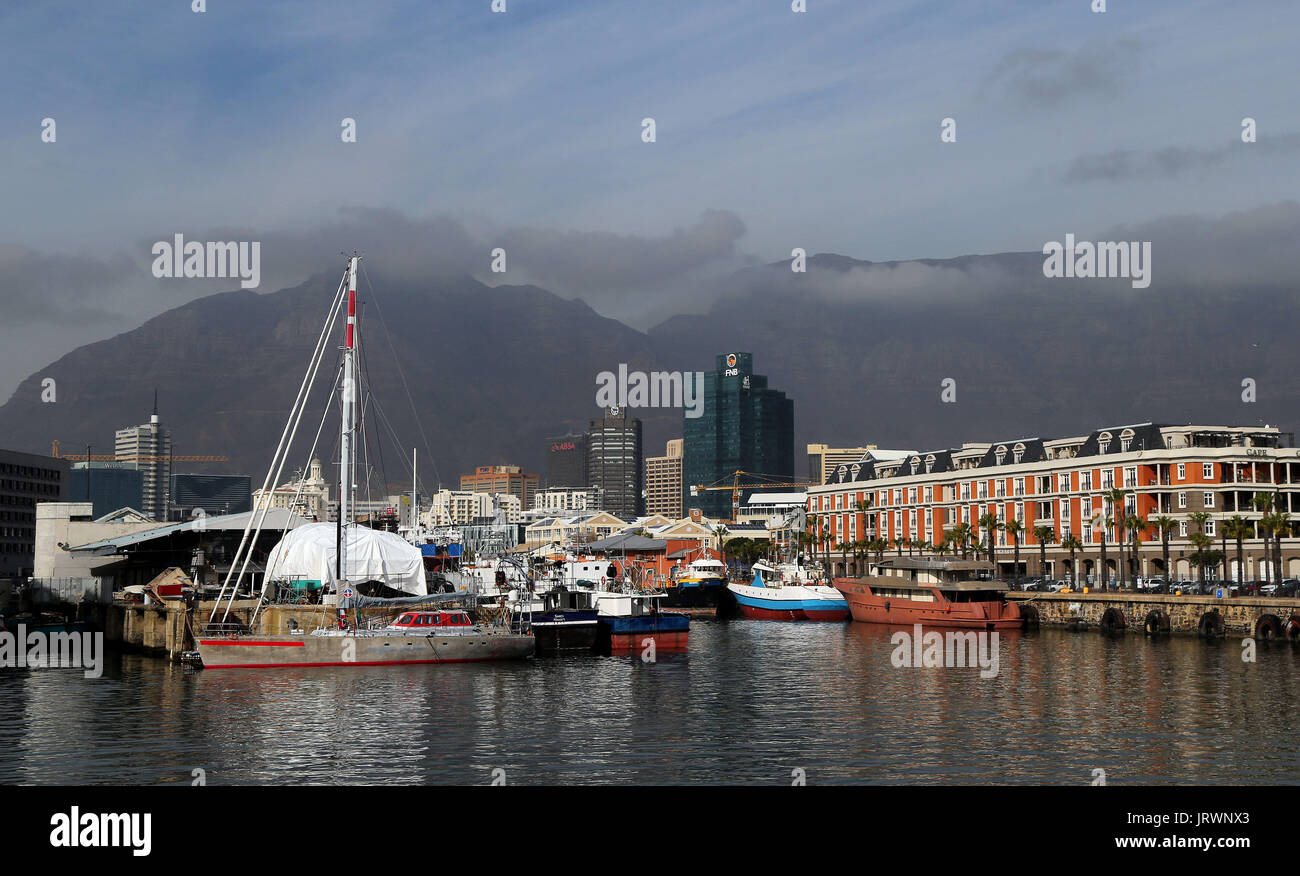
(567, 621)
(787, 601)
(699, 586)
(933, 593)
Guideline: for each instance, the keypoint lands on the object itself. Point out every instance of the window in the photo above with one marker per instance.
(1018, 452)
(1065, 482)
(1044, 511)
(1043, 484)
(1001, 453)
(983, 489)
(1182, 528)
(1086, 479)
(965, 492)
(1182, 500)
(1087, 532)
(1087, 508)
(1019, 487)
(1209, 527)
(1103, 442)
(1207, 499)
(929, 495)
(1108, 479)
(1182, 471)
(1130, 477)
(1000, 488)
(911, 495)
(1207, 471)
(1020, 511)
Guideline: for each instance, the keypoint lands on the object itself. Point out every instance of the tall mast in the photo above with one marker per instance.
(348, 400)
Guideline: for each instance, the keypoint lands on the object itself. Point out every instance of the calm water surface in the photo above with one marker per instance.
(750, 703)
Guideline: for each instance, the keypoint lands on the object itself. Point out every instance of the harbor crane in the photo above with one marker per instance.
(735, 486)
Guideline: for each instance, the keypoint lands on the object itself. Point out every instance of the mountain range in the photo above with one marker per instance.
(473, 374)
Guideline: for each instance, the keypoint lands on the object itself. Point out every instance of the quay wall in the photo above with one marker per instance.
(162, 629)
(1258, 616)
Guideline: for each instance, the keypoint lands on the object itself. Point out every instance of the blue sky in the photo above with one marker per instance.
(818, 130)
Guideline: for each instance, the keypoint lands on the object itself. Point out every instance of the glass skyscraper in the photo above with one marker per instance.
(746, 426)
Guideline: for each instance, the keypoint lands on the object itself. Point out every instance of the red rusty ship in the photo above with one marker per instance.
(930, 592)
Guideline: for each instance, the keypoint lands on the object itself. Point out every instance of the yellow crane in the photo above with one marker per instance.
(113, 457)
(736, 487)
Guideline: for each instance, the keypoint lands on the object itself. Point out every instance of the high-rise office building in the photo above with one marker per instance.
(26, 479)
(566, 462)
(510, 479)
(149, 447)
(823, 460)
(615, 462)
(663, 482)
(210, 494)
(745, 426)
(108, 486)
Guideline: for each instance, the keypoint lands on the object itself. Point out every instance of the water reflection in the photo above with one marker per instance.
(751, 702)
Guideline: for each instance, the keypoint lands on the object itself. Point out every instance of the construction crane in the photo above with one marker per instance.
(736, 486)
(113, 457)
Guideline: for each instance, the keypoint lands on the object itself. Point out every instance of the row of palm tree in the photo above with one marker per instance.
(1272, 526)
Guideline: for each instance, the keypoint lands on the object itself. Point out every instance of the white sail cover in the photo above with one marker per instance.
(309, 551)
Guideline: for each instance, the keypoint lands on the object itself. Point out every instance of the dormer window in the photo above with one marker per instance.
(1019, 451)
(1125, 440)
(1001, 453)
(1103, 442)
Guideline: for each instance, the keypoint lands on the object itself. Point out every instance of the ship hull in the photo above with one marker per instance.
(788, 604)
(269, 652)
(627, 635)
(565, 632)
(870, 609)
(704, 594)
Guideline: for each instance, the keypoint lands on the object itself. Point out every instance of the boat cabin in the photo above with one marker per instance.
(917, 579)
(427, 620)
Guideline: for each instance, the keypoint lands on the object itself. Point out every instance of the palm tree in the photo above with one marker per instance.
(1115, 498)
(1165, 524)
(1137, 525)
(1044, 535)
(1103, 576)
(1279, 525)
(1263, 503)
(1013, 528)
(812, 531)
(1072, 544)
(989, 523)
(1239, 529)
(1203, 555)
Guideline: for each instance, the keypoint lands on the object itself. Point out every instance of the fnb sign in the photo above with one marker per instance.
(732, 370)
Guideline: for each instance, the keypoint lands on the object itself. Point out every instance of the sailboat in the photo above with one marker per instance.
(417, 636)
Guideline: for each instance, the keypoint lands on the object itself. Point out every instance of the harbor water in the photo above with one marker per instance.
(753, 702)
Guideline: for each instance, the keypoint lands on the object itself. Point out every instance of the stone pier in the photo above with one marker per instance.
(1258, 616)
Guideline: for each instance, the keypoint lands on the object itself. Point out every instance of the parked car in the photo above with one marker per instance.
(1150, 583)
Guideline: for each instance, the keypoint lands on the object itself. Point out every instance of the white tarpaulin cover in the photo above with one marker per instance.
(309, 551)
